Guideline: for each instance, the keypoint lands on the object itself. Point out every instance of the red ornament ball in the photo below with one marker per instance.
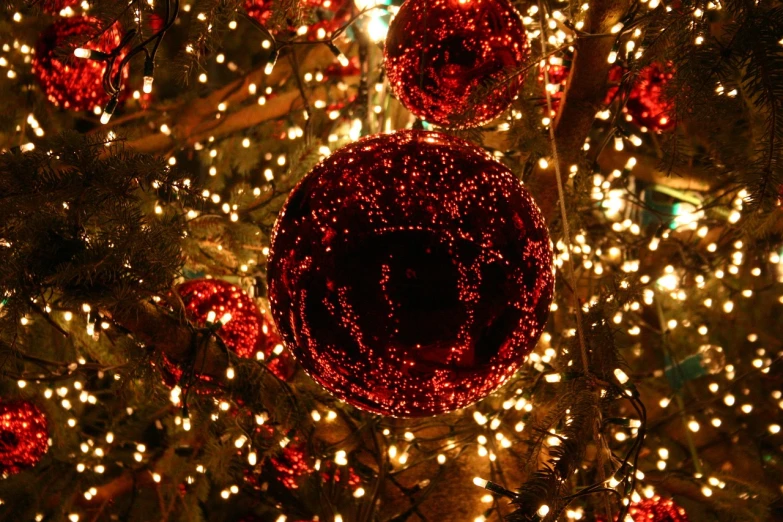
(247, 333)
(70, 82)
(657, 509)
(24, 436)
(294, 464)
(410, 273)
(646, 105)
(558, 73)
(453, 63)
(259, 10)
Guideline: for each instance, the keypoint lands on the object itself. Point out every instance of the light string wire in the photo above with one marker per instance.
(561, 197)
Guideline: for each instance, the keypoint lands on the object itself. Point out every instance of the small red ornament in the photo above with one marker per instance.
(70, 82)
(456, 63)
(410, 273)
(657, 509)
(293, 464)
(558, 74)
(155, 23)
(247, 332)
(336, 70)
(259, 10)
(646, 105)
(24, 436)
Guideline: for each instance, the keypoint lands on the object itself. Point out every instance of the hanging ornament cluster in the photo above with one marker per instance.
(646, 105)
(70, 82)
(456, 64)
(326, 15)
(24, 436)
(244, 330)
(410, 273)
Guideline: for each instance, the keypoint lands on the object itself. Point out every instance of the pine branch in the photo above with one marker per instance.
(548, 484)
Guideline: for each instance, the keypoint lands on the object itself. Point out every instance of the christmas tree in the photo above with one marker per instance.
(337, 261)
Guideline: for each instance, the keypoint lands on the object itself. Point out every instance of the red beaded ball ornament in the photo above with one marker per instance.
(655, 509)
(646, 105)
(456, 63)
(70, 82)
(24, 436)
(247, 333)
(410, 273)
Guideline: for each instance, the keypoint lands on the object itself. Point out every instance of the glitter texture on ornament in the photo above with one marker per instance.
(69, 82)
(24, 436)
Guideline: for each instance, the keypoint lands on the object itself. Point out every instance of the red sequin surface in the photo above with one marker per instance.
(450, 62)
(646, 105)
(24, 436)
(291, 465)
(657, 509)
(410, 273)
(67, 81)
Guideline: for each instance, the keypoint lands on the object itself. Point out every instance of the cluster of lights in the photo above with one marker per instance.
(608, 193)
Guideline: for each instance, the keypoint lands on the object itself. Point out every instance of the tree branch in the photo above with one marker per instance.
(195, 120)
(582, 98)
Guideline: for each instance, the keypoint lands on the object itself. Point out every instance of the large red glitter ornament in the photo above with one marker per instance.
(70, 82)
(410, 273)
(455, 63)
(646, 105)
(24, 436)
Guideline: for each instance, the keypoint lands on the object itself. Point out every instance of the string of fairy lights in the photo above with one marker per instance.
(493, 431)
